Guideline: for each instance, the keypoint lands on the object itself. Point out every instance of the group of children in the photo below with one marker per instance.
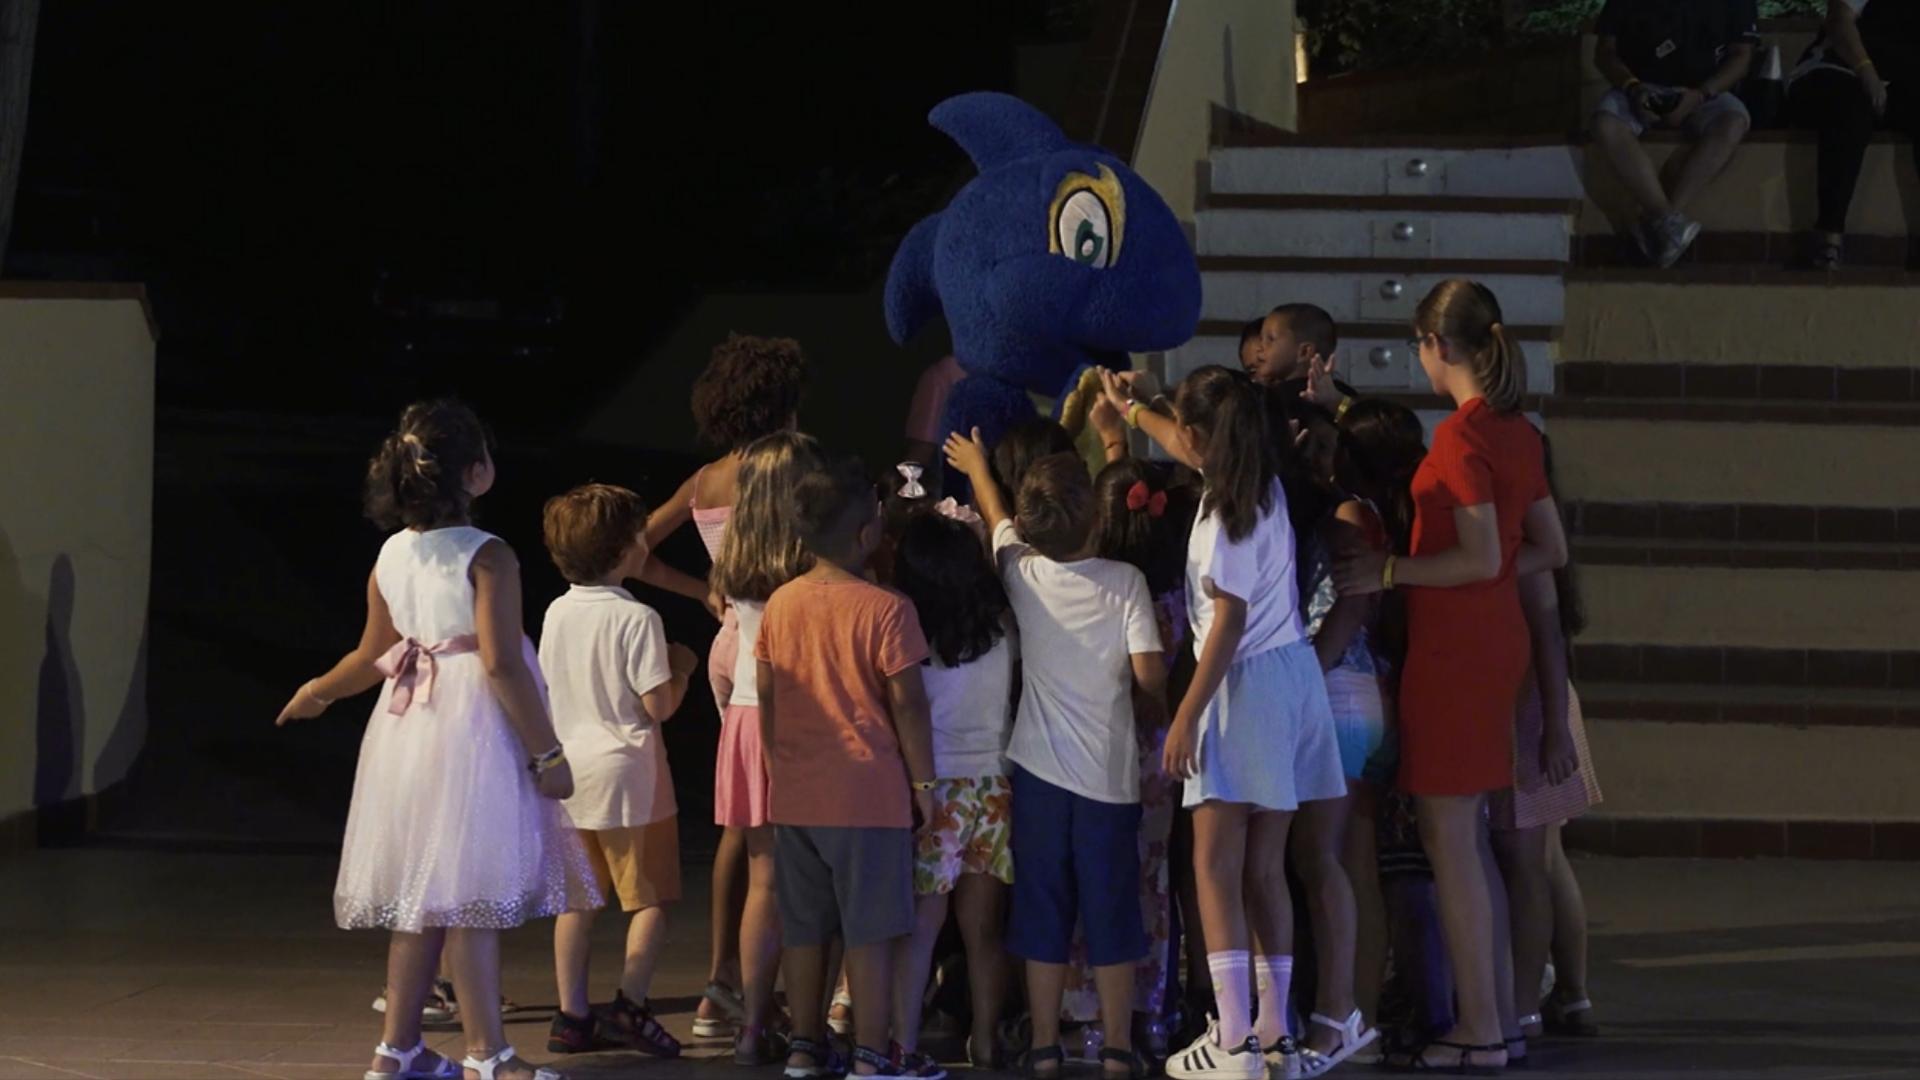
(987, 708)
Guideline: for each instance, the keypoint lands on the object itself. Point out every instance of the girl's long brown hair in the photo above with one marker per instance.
(1467, 315)
(761, 550)
(1241, 460)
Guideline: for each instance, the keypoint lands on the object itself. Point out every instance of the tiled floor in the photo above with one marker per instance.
(154, 965)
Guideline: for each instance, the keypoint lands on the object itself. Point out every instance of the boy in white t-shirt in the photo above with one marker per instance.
(612, 679)
(1091, 651)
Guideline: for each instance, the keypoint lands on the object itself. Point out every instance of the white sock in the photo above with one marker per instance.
(1273, 975)
(1230, 992)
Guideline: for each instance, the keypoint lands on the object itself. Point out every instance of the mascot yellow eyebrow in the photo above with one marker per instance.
(1031, 312)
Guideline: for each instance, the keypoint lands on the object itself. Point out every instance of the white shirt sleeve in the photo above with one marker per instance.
(1234, 568)
(1143, 632)
(1008, 548)
(647, 667)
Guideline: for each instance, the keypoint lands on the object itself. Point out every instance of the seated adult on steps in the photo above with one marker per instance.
(1673, 64)
(1856, 76)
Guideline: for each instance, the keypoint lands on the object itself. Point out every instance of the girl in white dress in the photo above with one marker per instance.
(454, 832)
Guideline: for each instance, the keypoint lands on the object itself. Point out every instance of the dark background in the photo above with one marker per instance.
(340, 208)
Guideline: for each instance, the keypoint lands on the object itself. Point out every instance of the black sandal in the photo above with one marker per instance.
(1416, 1060)
(1037, 1056)
(1136, 1065)
(825, 1061)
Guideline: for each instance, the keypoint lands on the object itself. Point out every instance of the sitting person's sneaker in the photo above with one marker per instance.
(634, 1025)
(1671, 236)
(575, 1035)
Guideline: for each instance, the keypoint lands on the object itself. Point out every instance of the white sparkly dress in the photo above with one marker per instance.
(446, 826)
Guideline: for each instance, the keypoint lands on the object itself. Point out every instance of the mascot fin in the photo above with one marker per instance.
(911, 299)
(996, 128)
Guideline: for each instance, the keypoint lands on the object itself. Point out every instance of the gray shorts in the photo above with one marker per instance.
(854, 882)
(1617, 105)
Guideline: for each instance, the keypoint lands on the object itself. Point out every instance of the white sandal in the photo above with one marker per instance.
(486, 1068)
(1355, 1036)
(444, 1071)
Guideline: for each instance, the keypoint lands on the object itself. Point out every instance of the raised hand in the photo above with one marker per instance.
(968, 454)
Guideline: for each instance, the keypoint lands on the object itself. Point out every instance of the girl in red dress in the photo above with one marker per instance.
(1483, 518)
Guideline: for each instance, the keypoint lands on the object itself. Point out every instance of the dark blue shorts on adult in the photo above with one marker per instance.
(1075, 859)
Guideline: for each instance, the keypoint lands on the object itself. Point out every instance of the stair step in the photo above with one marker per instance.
(1437, 204)
(1797, 706)
(1749, 522)
(1659, 836)
(1429, 166)
(1380, 265)
(1764, 771)
(1778, 670)
(1737, 607)
(1386, 295)
(1396, 238)
(1780, 249)
(1738, 382)
(1732, 411)
(1636, 458)
(1740, 274)
(1614, 552)
(1384, 331)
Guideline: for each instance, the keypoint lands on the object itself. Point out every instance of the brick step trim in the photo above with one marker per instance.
(1738, 382)
(1744, 667)
(1768, 705)
(1388, 331)
(1721, 411)
(1605, 552)
(1760, 250)
(1743, 838)
(1741, 522)
(1440, 204)
(1289, 264)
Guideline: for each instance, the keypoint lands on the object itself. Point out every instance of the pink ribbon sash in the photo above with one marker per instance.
(411, 667)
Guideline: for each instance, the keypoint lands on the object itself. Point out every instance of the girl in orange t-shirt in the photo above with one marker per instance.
(1483, 518)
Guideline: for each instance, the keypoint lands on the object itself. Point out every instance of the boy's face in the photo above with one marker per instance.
(1277, 354)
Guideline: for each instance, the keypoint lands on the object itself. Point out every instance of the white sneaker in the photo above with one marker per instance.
(1206, 1059)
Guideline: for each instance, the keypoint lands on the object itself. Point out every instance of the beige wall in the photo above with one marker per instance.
(76, 511)
(1236, 53)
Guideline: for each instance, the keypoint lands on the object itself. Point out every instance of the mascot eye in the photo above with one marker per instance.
(1084, 232)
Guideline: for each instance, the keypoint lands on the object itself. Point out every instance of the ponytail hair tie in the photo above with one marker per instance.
(1140, 498)
(910, 488)
(1495, 327)
(420, 457)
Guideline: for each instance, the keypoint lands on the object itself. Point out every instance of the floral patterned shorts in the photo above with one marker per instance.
(972, 824)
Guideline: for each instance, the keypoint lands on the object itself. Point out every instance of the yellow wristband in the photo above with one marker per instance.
(1864, 65)
(1133, 412)
(1340, 411)
(924, 785)
(1386, 573)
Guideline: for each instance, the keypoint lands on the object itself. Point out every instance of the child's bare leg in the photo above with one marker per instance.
(476, 978)
(1569, 923)
(572, 954)
(980, 907)
(724, 915)
(646, 934)
(1523, 864)
(1269, 912)
(411, 962)
(760, 932)
(806, 994)
(1046, 984)
(1114, 982)
(1220, 850)
(870, 978)
(1360, 856)
(1317, 846)
(913, 957)
(1502, 941)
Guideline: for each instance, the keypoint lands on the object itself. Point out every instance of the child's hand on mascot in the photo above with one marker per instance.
(968, 454)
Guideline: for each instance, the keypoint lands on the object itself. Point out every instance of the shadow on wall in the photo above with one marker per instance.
(60, 713)
(22, 628)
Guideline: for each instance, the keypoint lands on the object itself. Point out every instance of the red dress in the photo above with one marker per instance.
(1467, 647)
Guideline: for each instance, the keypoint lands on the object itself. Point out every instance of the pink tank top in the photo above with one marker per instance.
(711, 522)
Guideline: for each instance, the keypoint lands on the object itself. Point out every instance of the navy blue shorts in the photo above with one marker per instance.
(1075, 859)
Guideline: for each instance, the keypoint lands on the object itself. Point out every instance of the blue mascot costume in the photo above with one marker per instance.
(1057, 258)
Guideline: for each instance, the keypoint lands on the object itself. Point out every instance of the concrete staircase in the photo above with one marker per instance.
(1735, 443)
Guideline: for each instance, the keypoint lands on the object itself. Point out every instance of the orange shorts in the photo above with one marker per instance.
(640, 864)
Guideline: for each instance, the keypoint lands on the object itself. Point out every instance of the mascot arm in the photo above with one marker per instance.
(911, 300)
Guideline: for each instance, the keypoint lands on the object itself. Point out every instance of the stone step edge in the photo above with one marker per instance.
(1437, 204)
(1371, 331)
(1297, 264)
(1899, 414)
(1628, 551)
(1661, 380)
(1634, 836)
(1744, 667)
(1605, 703)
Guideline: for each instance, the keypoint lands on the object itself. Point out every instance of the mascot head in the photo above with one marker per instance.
(1055, 257)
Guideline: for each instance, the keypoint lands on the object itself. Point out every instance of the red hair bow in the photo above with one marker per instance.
(1139, 498)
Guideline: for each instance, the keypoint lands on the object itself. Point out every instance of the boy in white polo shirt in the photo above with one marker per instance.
(612, 680)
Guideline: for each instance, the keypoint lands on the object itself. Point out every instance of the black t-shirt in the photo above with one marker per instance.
(1678, 42)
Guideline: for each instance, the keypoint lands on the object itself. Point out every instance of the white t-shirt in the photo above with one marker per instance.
(972, 712)
(1080, 624)
(600, 650)
(746, 670)
(1258, 569)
